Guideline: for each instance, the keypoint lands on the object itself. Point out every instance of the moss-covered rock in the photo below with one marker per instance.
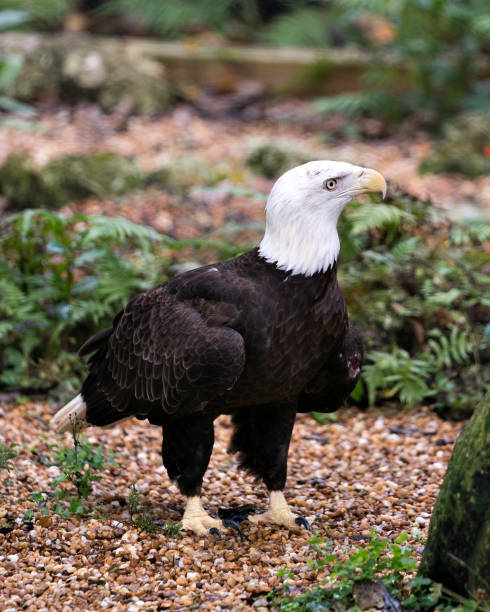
(458, 547)
(21, 183)
(183, 174)
(107, 72)
(464, 149)
(75, 177)
(65, 179)
(273, 160)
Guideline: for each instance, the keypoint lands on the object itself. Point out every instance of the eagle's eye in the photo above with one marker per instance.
(330, 184)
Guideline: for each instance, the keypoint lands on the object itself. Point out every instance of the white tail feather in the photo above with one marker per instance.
(74, 413)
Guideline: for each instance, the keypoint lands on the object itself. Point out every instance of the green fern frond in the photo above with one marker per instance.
(348, 103)
(397, 373)
(175, 17)
(89, 310)
(120, 230)
(305, 27)
(404, 250)
(372, 216)
(11, 296)
(380, 7)
(454, 348)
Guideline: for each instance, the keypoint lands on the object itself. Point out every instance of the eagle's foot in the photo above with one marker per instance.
(280, 513)
(197, 520)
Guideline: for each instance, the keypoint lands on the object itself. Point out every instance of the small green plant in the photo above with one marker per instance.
(28, 516)
(138, 517)
(7, 453)
(172, 529)
(380, 569)
(143, 520)
(80, 466)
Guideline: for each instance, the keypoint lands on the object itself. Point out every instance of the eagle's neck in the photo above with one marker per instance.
(303, 247)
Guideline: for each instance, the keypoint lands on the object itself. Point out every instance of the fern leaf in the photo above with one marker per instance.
(118, 229)
(301, 28)
(372, 216)
(451, 349)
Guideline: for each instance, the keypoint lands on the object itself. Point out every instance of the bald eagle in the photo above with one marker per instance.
(260, 337)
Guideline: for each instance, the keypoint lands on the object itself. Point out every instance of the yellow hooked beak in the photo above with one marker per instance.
(368, 181)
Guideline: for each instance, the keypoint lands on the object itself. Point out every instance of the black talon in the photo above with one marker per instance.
(302, 522)
(237, 514)
(233, 524)
(215, 531)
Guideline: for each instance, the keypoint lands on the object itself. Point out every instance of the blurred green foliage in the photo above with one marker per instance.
(464, 147)
(438, 51)
(271, 160)
(426, 328)
(63, 278)
(175, 18)
(11, 65)
(38, 14)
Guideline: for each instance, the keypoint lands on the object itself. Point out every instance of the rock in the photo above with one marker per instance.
(21, 183)
(181, 175)
(74, 177)
(457, 553)
(71, 68)
(369, 594)
(272, 160)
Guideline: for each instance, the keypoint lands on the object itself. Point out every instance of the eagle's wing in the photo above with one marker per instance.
(331, 386)
(171, 352)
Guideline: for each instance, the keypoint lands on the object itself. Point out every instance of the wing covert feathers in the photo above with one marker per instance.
(164, 352)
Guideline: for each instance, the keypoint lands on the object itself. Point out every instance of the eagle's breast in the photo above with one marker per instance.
(290, 324)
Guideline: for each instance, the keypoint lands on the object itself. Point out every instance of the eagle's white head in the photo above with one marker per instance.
(302, 212)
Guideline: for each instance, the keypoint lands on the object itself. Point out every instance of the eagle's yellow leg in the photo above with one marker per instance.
(279, 512)
(196, 519)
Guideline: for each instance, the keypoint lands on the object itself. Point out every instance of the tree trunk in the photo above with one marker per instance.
(457, 553)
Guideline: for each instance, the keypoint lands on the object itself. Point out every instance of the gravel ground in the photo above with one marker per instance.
(154, 142)
(367, 470)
